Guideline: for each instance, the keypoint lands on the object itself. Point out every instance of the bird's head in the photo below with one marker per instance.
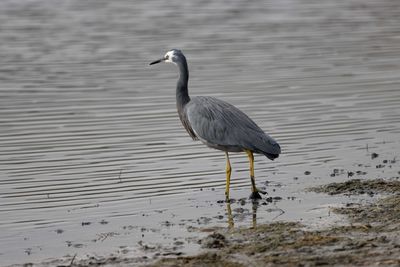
(172, 56)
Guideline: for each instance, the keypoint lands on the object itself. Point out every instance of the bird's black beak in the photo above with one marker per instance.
(157, 61)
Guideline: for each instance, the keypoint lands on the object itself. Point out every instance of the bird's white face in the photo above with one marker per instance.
(172, 56)
(169, 56)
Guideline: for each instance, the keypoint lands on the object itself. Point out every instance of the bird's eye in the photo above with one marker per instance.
(166, 57)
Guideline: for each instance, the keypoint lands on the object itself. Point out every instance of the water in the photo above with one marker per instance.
(93, 158)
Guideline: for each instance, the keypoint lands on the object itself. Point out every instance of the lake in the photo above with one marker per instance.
(94, 160)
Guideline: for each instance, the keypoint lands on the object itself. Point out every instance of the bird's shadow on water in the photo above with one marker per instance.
(240, 213)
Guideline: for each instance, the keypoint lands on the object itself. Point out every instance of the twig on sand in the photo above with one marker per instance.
(72, 261)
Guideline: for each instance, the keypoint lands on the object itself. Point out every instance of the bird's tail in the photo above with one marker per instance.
(274, 149)
(271, 156)
(266, 145)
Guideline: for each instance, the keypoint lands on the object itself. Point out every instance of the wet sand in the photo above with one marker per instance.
(368, 234)
(372, 237)
(94, 163)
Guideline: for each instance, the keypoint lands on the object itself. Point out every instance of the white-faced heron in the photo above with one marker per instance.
(219, 124)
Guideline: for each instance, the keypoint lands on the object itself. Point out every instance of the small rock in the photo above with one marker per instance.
(179, 243)
(242, 201)
(361, 173)
(374, 155)
(215, 240)
(167, 223)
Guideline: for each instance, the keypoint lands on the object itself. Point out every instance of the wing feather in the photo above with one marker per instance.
(222, 124)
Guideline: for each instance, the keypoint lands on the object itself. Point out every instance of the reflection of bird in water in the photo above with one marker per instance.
(231, 222)
(219, 124)
(254, 207)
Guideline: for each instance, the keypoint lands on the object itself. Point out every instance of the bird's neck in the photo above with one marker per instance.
(182, 94)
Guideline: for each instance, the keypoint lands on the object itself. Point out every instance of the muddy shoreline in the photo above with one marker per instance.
(372, 236)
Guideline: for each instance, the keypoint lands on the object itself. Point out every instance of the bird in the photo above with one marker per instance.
(219, 124)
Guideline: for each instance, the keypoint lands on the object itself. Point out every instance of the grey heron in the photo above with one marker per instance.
(219, 124)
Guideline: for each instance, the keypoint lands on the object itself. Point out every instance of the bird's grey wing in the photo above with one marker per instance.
(220, 123)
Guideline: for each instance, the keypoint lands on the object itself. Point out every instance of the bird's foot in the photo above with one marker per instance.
(262, 191)
(255, 195)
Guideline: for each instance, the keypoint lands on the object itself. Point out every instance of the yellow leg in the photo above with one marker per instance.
(254, 190)
(228, 176)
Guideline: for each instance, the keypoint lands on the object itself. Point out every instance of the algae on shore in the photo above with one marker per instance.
(358, 186)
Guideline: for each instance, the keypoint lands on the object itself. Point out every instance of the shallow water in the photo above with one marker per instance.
(93, 159)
